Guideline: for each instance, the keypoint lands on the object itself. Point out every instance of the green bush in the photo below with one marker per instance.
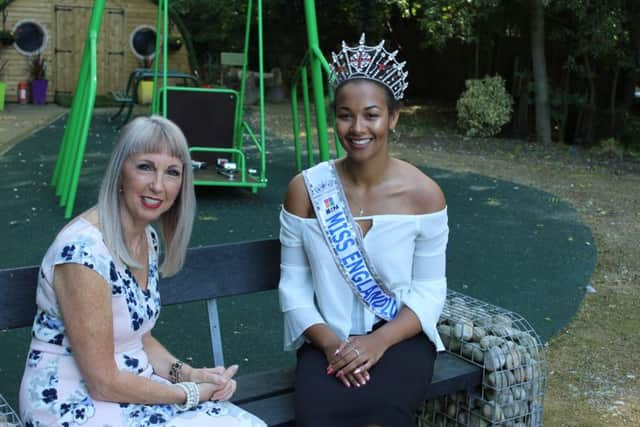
(484, 107)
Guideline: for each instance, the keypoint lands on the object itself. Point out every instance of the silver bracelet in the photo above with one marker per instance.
(193, 396)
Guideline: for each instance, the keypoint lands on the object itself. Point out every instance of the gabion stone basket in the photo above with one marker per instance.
(513, 361)
(8, 417)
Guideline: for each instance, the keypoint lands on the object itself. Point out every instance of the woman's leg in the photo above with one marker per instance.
(397, 386)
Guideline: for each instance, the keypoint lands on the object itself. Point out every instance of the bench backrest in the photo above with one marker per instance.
(210, 272)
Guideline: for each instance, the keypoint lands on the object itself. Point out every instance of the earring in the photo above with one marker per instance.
(393, 130)
(120, 190)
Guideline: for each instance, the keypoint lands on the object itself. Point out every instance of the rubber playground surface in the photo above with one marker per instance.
(511, 245)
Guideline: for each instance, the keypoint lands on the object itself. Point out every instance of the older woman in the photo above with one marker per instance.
(363, 261)
(93, 360)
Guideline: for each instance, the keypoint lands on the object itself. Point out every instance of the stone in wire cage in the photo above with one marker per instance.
(8, 417)
(512, 356)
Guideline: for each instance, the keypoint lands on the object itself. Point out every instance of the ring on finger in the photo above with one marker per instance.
(357, 352)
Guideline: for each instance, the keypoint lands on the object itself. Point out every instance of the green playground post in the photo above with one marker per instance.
(307, 114)
(154, 94)
(317, 64)
(263, 159)
(61, 170)
(66, 145)
(316, 79)
(86, 120)
(165, 58)
(69, 162)
(237, 130)
(327, 68)
(75, 125)
(296, 126)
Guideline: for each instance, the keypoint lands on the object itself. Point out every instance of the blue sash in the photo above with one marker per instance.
(344, 237)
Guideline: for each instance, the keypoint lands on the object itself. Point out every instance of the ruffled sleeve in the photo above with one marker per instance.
(295, 288)
(428, 291)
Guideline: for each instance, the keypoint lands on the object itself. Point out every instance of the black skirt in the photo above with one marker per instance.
(398, 383)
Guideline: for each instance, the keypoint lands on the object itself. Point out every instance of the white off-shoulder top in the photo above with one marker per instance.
(408, 252)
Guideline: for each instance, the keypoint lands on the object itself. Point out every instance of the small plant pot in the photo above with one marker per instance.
(39, 91)
(145, 92)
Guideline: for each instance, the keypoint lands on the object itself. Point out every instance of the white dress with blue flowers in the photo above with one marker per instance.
(53, 393)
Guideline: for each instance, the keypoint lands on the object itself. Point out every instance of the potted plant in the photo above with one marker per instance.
(6, 38)
(38, 78)
(3, 85)
(145, 86)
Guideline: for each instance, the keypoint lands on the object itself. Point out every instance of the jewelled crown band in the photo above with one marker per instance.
(369, 62)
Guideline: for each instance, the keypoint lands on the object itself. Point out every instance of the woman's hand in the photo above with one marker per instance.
(354, 358)
(338, 355)
(217, 375)
(215, 392)
(215, 383)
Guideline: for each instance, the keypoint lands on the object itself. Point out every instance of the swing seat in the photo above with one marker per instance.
(209, 119)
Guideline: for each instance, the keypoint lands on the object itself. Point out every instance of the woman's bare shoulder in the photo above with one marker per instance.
(424, 194)
(89, 216)
(297, 200)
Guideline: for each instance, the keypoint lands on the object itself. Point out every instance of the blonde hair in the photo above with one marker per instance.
(154, 134)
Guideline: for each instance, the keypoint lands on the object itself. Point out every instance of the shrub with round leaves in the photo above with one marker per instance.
(484, 107)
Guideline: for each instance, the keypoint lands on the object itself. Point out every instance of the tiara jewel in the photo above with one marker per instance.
(369, 62)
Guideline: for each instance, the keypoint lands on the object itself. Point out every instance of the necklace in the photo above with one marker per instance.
(361, 212)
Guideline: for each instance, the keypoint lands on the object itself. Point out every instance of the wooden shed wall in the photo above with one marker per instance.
(66, 22)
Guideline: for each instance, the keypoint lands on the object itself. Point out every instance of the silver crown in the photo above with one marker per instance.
(369, 62)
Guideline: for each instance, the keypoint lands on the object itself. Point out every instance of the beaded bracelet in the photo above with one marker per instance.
(174, 371)
(193, 396)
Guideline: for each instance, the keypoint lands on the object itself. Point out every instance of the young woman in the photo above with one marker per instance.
(363, 261)
(93, 360)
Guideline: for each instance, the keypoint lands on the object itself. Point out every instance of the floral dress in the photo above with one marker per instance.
(53, 393)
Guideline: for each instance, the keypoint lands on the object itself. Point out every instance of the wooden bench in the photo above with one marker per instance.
(218, 271)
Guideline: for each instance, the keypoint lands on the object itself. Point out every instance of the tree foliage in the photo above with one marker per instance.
(591, 70)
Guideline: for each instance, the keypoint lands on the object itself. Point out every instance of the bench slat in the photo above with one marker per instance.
(275, 411)
(451, 374)
(224, 270)
(263, 384)
(18, 297)
(269, 395)
(209, 272)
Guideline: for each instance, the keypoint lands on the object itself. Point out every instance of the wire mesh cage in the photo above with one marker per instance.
(512, 356)
(8, 417)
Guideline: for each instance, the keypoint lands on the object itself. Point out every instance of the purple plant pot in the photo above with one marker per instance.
(39, 91)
